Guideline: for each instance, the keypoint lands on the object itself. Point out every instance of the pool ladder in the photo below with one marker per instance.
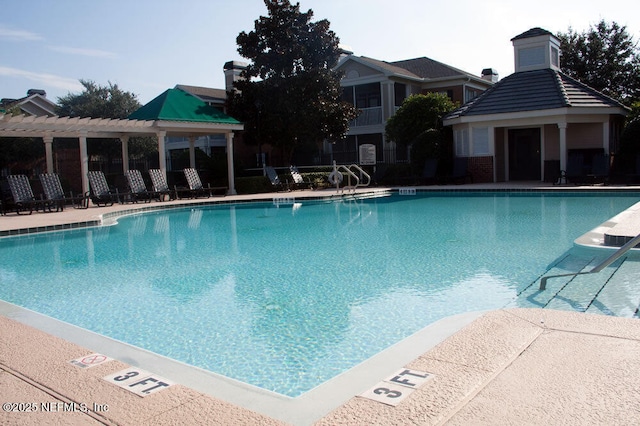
(347, 170)
(608, 261)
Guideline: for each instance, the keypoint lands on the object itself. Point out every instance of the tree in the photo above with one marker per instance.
(418, 124)
(289, 95)
(98, 102)
(606, 58)
(106, 102)
(418, 114)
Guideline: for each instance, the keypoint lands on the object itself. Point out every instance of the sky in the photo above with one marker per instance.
(148, 46)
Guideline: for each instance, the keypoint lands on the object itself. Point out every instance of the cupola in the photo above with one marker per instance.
(536, 49)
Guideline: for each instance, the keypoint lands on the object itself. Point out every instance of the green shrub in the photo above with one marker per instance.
(253, 185)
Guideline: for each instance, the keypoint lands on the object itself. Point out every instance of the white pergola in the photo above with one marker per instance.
(48, 128)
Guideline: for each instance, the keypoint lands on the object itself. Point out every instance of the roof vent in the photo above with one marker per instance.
(490, 74)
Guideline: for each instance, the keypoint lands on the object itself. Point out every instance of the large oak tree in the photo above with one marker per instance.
(289, 95)
(606, 58)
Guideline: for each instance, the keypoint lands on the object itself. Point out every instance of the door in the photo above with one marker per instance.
(524, 154)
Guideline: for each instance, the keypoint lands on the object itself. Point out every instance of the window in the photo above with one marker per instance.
(368, 95)
(461, 138)
(347, 94)
(530, 57)
(555, 57)
(400, 92)
(470, 94)
(480, 141)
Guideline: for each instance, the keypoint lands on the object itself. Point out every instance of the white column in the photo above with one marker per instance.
(232, 182)
(162, 155)
(125, 152)
(505, 138)
(563, 147)
(387, 101)
(192, 152)
(491, 134)
(84, 161)
(48, 150)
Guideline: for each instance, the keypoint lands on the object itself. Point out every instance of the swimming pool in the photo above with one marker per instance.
(285, 297)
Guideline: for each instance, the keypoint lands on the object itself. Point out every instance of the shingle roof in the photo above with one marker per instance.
(423, 68)
(531, 91)
(533, 32)
(207, 94)
(428, 68)
(389, 67)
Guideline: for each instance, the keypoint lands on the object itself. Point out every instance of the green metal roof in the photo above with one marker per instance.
(178, 105)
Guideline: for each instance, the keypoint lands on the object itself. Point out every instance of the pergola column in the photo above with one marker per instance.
(125, 152)
(84, 161)
(48, 150)
(563, 147)
(162, 155)
(231, 173)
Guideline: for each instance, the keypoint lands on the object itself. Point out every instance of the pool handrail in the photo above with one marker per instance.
(608, 261)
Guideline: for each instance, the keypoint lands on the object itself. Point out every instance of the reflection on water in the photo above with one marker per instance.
(287, 296)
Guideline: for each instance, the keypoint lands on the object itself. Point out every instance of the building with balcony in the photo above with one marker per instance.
(378, 88)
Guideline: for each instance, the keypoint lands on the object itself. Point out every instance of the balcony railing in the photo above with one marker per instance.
(368, 117)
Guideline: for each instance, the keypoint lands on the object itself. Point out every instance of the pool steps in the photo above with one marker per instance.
(608, 261)
(613, 291)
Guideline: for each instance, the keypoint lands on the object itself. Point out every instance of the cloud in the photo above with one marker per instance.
(43, 79)
(18, 35)
(94, 53)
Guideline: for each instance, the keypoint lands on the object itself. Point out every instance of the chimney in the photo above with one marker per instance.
(232, 70)
(40, 92)
(490, 74)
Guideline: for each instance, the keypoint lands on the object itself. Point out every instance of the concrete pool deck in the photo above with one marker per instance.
(511, 366)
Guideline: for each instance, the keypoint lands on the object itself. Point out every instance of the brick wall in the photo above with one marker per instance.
(481, 168)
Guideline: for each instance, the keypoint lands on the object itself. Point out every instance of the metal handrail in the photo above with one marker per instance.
(362, 173)
(350, 174)
(608, 261)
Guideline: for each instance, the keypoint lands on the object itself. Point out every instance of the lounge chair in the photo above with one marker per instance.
(54, 193)
(160, 186)
(275, 179)
(599, 169)
(298, 180)
(429, 171)
(23, 199)
(195, 184)
(575, 169)
(101, 194)
(137, 188)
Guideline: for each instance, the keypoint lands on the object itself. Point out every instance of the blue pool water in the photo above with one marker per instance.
(286, 297)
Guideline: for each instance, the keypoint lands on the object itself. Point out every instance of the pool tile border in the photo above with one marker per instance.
(49, 228)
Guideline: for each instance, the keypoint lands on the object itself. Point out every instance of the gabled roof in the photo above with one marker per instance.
(178, 105)
(534, 90)
(206, 94)
(384, 66)
(428, 68)
(34, 104)
(420, 69)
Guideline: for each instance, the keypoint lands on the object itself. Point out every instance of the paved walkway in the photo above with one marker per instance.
(511, 366)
